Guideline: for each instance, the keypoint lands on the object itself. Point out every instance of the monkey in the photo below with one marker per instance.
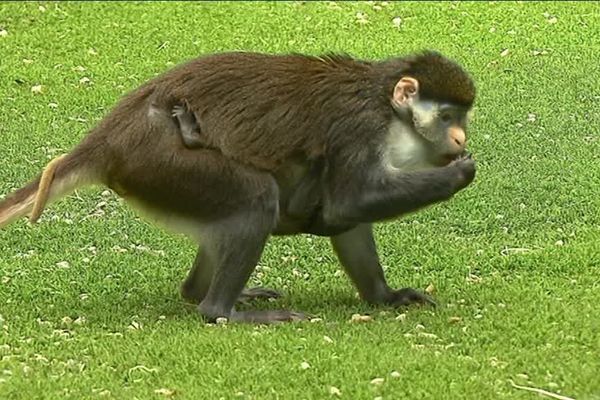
(304, 198)
(388, 137)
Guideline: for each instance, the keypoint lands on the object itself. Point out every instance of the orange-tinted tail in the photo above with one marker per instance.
(60, 177)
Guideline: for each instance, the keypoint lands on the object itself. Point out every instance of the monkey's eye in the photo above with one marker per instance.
(446, 117)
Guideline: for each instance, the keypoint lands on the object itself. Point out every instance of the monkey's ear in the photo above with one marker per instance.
(405, 89)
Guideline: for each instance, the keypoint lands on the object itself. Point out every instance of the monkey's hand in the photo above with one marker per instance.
(178, 111)
(464, 168)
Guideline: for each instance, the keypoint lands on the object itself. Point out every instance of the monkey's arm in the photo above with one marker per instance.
(190, 131)
(380, 195)
(357, 253)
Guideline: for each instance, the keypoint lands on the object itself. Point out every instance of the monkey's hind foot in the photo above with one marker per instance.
(267, 316)
(409, 296)
(258, 292)
(194, 296)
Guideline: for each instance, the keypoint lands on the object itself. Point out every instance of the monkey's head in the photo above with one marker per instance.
(435, 95)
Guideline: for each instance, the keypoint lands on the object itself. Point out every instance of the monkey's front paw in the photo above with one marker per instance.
(465, 166)
(408, 296)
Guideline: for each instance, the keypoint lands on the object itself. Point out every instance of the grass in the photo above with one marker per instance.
(89, 298)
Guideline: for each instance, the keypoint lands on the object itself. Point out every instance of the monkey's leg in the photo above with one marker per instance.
(233, 209)
(357, 253)
(196, 284)
(235, 251)
(234, 247)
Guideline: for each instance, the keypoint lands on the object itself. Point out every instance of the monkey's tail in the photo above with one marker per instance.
(60, 177)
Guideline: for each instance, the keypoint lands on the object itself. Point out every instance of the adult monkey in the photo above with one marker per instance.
(380, 127)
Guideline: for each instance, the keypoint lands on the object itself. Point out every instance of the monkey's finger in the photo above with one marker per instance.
(465, 155)
(409, 296)
(254, 293)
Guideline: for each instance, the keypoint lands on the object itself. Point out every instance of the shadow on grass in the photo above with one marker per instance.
(114, 309)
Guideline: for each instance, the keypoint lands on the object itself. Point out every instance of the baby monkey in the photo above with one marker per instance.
(305, 200)
(190, 131)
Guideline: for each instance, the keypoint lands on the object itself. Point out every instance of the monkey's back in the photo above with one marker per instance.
(265, 109)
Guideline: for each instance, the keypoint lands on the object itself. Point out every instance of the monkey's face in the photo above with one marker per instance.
(443, 126)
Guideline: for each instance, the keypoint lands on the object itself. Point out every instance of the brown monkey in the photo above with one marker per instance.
(389, 136)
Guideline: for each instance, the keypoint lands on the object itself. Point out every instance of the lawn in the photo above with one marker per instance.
(89, 301)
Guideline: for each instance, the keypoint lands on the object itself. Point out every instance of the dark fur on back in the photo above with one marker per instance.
(264, 109)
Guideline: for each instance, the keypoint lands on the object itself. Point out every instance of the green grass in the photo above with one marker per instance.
(535, 136)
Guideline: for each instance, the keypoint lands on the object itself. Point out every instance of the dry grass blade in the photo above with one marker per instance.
(541, 391)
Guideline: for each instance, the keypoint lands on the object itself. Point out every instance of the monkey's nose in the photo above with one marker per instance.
(457, 135)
